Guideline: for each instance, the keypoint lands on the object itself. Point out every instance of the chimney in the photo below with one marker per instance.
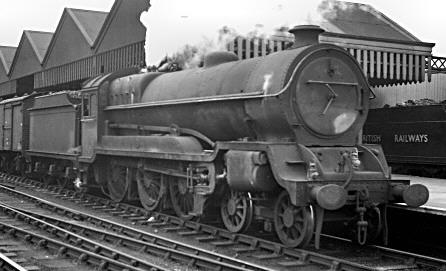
(305, 35)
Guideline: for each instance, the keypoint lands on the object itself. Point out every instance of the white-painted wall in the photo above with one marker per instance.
(435, 90)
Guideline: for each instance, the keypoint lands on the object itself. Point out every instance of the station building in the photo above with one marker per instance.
(85, 44)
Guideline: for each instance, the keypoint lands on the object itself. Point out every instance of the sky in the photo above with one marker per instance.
(174, 23)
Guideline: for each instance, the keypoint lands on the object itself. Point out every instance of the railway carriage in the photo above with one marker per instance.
(270, 140)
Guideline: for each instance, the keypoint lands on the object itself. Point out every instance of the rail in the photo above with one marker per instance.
(9, 265)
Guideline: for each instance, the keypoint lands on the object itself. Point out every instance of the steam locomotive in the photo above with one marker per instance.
(271, 140)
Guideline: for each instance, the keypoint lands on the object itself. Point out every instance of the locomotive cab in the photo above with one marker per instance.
(89, 122)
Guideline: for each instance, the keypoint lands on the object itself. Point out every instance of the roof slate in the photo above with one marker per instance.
(89, 22)
(361, 20)
(39, 41)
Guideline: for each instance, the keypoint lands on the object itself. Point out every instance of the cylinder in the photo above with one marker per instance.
(249, 171)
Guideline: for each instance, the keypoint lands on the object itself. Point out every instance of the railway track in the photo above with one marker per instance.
(89, 251)
(82, 236)
(44, 235)
(244, 252)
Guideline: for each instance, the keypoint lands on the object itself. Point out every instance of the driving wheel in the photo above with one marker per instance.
(182, 199)
(237, 211)
(294, 224)
(117, 182)
(151, 189)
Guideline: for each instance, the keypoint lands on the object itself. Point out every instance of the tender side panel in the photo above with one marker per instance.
(53, 130)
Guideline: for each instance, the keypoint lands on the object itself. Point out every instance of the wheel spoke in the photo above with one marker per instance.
(182, 200)
(295, 233)
(298, 227)
(117, 181)
(239, 215)
(150, 189)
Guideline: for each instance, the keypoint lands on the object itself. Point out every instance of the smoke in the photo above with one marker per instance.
(257, 32)
(192, 56)
(187, 58)
(331, 9)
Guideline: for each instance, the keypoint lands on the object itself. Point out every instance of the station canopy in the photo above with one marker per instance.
(387, 53)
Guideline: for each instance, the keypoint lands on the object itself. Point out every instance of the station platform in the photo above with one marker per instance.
(437, 190)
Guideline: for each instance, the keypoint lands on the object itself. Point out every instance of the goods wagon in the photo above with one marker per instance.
(14, 132)
(412, 137)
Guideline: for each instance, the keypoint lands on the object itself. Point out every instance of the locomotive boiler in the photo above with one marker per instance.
(270, 140)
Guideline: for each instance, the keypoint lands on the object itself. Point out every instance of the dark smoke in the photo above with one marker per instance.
(192, 56)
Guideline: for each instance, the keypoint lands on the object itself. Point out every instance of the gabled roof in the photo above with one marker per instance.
(6, 56)
(361, 20)
(38, 41)
(107, 22)
(89, 22)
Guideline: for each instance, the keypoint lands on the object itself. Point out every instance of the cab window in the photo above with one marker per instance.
(89, 105)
